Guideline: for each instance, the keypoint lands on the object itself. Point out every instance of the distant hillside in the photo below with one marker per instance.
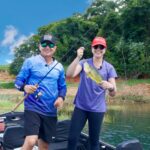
(6, 77)
(4, 74)
(4, 68)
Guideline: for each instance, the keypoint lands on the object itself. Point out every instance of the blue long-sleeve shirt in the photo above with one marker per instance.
(51, 87)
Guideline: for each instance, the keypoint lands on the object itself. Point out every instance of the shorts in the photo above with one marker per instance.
(41, 125)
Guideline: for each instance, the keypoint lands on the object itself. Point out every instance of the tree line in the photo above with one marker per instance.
(124, 23)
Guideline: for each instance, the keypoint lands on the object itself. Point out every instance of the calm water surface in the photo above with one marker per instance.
(127, 121)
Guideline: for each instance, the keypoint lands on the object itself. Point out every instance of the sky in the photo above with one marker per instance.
(20, 19)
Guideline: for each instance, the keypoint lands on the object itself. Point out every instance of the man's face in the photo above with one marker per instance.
(47, 49)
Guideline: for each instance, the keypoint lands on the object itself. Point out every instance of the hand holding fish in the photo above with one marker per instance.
(107, 85)
(80, 52)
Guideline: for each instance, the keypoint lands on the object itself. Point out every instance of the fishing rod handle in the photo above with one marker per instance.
(19, 103)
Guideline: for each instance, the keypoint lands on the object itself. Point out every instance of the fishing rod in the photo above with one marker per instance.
(65, 55)
(26, 96)
(20, 102)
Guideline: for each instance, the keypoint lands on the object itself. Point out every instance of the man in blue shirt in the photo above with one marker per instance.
(43, 99)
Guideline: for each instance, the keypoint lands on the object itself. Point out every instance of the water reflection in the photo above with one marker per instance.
(127, 121)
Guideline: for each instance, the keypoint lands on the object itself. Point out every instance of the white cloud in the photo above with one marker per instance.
(8, 61)
(9, 35)
(12, 38)
(18, 42)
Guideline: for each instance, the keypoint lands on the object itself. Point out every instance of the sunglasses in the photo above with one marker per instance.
(45, 44)
(101, 47)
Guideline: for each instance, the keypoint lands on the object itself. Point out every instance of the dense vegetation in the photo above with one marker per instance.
(124, 23)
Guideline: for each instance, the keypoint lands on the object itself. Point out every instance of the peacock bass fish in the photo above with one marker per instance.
(92, 73)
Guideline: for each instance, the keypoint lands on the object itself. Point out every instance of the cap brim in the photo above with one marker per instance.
(47, 41)
(98, 43)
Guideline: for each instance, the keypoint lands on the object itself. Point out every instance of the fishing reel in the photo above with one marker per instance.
(37, 94)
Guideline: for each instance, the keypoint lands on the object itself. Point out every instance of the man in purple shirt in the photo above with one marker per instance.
(90, 101)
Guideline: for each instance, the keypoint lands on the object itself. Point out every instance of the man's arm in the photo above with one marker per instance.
(23, 75)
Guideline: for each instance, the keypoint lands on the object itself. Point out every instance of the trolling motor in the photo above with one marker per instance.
(129, 145)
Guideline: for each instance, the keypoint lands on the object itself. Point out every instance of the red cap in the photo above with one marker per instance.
(99, 41)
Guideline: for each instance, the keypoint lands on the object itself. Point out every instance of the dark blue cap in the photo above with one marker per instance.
(50, 38)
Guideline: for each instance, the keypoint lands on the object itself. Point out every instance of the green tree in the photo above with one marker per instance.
(124, 23)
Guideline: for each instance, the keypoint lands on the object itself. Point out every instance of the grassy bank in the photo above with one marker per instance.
(131, 82)
(132, 90)
(9, 101)
(137, 90)
(7, 85)
(4, 67)
(128, 91)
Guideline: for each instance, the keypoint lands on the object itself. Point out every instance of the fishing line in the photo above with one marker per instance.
(65, 55)
(47, 73)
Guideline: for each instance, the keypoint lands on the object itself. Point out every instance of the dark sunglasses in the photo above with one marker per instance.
(101, 47)
(45, 44)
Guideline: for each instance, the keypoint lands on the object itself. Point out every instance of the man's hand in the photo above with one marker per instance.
(30, 88)
(59, 102)
(80, 52)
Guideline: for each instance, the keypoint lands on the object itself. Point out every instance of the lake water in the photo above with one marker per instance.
(125, 122)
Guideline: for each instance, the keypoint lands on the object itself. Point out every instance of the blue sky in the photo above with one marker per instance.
(19, 19)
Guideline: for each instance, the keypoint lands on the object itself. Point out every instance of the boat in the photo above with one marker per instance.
(12, 136)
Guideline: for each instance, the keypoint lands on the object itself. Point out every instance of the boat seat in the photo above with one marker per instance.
(62, 131)
(60, 141)
(63, 146)
(13, 137)
(13, 118)
(129, 145)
